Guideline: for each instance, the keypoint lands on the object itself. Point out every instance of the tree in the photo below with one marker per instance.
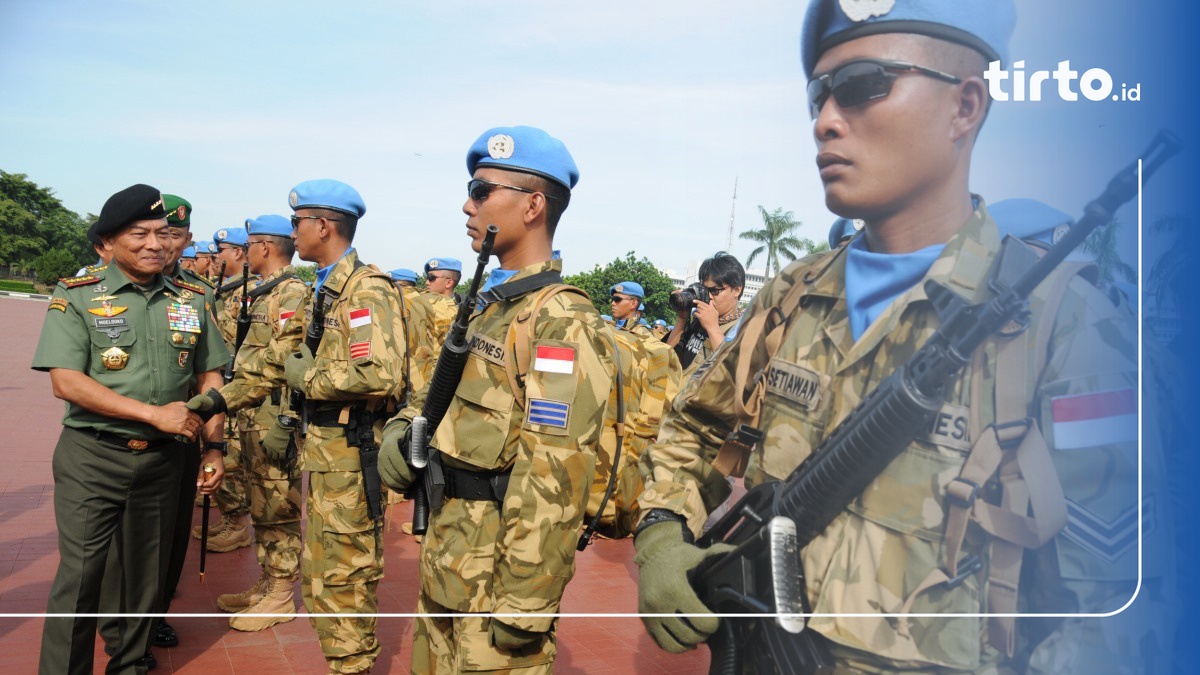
(777, 238)
(19, 240)
(33, 221)
(1168, 280)
(1101, 244)
(307, 273)
(600, 280)
(54, 265)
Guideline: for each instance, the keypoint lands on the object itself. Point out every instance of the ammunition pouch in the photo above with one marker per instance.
(476, 485)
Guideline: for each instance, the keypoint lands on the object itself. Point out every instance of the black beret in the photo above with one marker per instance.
(92, 236)
(136, 202)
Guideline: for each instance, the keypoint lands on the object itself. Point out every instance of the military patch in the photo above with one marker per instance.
(1089, 420)
(360, 350)
(106, 309)
(1108, 539)
(360, 317)
(181, 212)
(73, 282)
(183, 318)
(258, 317)
(500, 146)
(114, 358)
(794, 383)
(332, 322)
(284, 316)
(222, 235)
(549, 413)
(554, 359)
(432, 264)
(103, 298)
(58, 303)
(186, 296)
(949, 427)
(293, 199)
(861, 10)
(183, 358)
(486, 348)
(189, 286)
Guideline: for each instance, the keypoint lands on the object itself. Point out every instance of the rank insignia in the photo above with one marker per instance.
(182, 317)
(183, 358)
(58, 303)
(176, 338)
(72, 282)
(500, 146)
(188, 286)
(114, 358)
(360, 350)
(103, 298)
(106, 309)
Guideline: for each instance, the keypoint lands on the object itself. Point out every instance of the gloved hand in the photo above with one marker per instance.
(664, 559)
(510, 638)
(275, 442)
(207, 404)
(295, 367)
(393, 468)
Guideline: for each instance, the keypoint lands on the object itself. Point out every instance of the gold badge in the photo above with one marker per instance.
(103, 298)
(186, 296)
(191, 339)
(114, 358)
(106, 309)
(137, 444)
(176, 338)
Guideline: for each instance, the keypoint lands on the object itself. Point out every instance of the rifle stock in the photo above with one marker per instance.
(842, 466)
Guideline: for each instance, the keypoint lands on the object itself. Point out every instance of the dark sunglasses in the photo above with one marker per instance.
(296, 219)
(856, 82)
(479, 189)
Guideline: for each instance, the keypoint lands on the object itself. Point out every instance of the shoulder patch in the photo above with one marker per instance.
(203, 280)
(195, 288)
(549, 413)
(92, 269)
(85, 280)
(58, 303)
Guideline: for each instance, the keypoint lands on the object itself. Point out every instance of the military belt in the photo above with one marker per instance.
(328, 417)
(134, 444)
(476, 485)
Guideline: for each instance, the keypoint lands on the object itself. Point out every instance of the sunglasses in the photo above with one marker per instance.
(479, 189)
(435, 277)
(856, 82)
(296, 219)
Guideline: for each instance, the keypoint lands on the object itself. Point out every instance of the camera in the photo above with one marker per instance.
(681, 301)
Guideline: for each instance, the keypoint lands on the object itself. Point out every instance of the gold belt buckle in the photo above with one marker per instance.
(137, 444)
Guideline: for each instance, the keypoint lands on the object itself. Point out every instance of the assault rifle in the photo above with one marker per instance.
(312, 339)
(774, 521)
(243, 322)
(446, 376)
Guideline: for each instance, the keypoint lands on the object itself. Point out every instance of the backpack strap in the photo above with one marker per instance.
(520, 335)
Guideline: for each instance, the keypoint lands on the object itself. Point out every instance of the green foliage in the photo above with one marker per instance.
(19, 238)
(777, 238)
(34, 223)
(54, 265)
(1169, 279)
(658, 286)
(18, 286)
(307, 273)
(1101, 244)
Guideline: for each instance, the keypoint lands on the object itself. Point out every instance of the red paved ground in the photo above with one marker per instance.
(31, 416)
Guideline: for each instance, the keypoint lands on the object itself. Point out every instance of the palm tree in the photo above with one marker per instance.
(1102, 245)
(777, 238)
(1171, 272)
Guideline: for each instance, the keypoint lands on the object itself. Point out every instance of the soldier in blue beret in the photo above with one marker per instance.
(627, 307)
(188, 258)
(841, 232)
(403, 274)
(897, 94)
(206, 254)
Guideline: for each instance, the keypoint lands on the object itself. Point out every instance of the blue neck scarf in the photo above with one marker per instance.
(874, 280)
(323, 273)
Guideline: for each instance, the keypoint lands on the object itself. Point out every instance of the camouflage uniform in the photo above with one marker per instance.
(424, 342)
(361, 360)
(258, 388)
(481, 555)
(444, 310)
(231, 498)
(875, 554)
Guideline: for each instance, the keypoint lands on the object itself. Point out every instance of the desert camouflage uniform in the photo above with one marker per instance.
(514, 557)
(424, 343)
(258, 387)
(444, 310)
(231, 498)
(872, 557)
(343, 558)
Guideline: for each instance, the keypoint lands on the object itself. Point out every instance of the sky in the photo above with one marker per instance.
(664, 105)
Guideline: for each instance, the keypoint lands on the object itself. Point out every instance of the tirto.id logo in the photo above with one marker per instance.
(1095, 84)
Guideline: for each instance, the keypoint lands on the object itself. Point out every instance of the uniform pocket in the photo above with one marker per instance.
(114, 353)
(485, 408)
(347, 533)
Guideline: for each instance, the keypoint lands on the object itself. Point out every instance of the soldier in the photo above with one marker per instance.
(232, 530)
(441, 278)
(627, 307)
(700, 330)
(257, 386)
(841, 232)
(206, 253)
(419, 321)
(903, 87)
(660, 329)
(123, 347)
(187, 259)
(355, 380)
(518, 464)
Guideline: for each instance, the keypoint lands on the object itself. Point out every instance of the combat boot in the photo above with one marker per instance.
(235, 534)
(237, 602)
(277, 598)
(214, 527)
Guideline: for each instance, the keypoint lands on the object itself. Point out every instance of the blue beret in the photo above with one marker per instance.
(326, 193)
(606, 317)
(276, 226)
(660, 322)
(205, 246)
(524, 149)
(403, 274)
(1030, 219)
(982, 25)
(234, 236)
(443, 264)
(628, 288)
(189, 253)
(843, 228)
(671, 327)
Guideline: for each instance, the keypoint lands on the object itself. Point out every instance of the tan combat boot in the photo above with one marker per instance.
(235, 534)
(214, 526)
(237, 602)
(277, 598)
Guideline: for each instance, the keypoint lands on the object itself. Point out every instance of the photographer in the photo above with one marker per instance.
(712, 305)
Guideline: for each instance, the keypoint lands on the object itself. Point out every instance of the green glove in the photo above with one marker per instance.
(393, 468)
(510, 638)
(664, 559)
(275, 442)
(296, 366)
(207, 404)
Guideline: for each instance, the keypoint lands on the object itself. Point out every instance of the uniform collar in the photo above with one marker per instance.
(116, 280)
(338, 273)
(535, 268)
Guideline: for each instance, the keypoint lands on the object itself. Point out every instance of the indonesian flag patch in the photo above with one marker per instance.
(360, 350)
(1088, 420)
(284, 316)
(555, 359)
(360, 317)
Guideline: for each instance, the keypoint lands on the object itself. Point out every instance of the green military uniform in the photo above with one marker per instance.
(514, 551)
(118, 476)
(876, 555)
(362, 361)
(256, 392)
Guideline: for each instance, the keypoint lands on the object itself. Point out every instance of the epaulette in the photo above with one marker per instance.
(195, 288)
(92, 269)
(204, 280)
(72, 282)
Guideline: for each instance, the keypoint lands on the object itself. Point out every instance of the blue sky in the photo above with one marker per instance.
(662, 104)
